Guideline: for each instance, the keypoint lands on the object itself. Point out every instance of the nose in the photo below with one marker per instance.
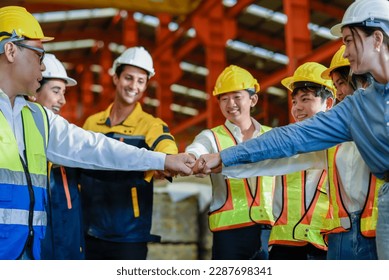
(345, 54)
(43, 67)
(62, 100)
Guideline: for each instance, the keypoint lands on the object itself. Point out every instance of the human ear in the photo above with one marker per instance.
(10, 51)
(378, 37)
(329, 103)
(254, 100)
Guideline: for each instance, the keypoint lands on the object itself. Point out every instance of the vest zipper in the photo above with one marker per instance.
(31, 207)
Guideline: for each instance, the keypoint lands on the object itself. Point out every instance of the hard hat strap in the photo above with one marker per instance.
(371, 23)
(13, 37)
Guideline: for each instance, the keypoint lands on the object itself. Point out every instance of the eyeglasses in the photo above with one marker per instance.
(40, 52)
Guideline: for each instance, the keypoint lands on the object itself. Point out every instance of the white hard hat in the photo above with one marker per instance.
(136, 56)
(55, 70)
(370, 13)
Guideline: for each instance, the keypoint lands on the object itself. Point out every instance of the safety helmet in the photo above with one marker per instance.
(136, 56)
(370, 13)
(337, 61)
(234, 78)
(55, 70)
(18, 20)
(309, 72)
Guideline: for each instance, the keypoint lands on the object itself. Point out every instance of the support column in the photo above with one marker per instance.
(167, 72)
(297, 36)
(87, 97)
(107, 95)
(214, 29)
(130, 31)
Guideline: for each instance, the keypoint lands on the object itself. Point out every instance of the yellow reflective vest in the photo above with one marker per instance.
(23, 193)
(242, 207)
(338, 212)
(299, 223)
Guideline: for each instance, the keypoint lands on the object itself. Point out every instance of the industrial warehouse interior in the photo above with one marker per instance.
(191, 42)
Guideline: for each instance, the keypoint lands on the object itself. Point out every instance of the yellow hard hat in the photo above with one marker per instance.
(337, 61)
(234, 78)
(308, 72)
(16, 20)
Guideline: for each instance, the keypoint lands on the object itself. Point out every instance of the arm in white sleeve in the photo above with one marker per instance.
(204, 143)
(72, 146)
(282, 166)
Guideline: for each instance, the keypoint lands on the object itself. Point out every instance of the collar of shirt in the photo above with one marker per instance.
(131, 119)
(381, 88)
(235, 130)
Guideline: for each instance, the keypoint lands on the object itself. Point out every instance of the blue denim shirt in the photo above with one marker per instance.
(362, 118)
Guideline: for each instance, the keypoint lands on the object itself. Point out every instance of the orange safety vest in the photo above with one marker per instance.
(337, 210)
(242, 207)
(300, 224)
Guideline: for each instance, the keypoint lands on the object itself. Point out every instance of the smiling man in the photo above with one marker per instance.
(240, 212)
(118, 206)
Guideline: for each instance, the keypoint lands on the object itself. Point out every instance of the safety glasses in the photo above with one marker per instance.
(40, 52)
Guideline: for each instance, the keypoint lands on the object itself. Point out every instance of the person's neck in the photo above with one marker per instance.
(119, 112)
(8, 91)
(381, 71)
(247, 129)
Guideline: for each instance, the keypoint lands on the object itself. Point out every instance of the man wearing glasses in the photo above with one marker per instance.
(30, 135)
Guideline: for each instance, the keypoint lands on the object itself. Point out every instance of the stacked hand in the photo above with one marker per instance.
(185, 164)
(179, 164)
(207, 164)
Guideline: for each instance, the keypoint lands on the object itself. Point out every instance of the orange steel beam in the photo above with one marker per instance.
(105, 79)
(323, 53)
(130, 31)
(182, 126)
(213, 30)
(261, 39)
(185, 49)
(319, 6)
(167, 71)
(238, 8)
(297, 35)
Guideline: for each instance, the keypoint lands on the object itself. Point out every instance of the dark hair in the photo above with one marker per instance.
(368, 31)
(120, 69)
(354, 80)
(42, 82)
(318, 90)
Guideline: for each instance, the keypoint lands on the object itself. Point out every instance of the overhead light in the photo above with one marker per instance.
(184, 110)
(69, 45)
(189, 91)
(75, 15)
(277, 91)
(174, 107)
(189, 67)
(257, 51)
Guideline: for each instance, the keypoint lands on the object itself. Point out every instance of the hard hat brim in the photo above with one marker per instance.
(69, 81)
(327, 73)
(336, 30)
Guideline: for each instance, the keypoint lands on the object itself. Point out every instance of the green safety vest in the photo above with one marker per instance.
(242, 207)
(23, 193)
(338, 211)
(300, 224)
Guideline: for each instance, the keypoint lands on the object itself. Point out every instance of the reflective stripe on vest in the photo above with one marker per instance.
(23, 195)
(298, 223)
(242, 207)
(338, 216)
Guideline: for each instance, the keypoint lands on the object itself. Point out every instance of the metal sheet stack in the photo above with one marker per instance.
(182, 226)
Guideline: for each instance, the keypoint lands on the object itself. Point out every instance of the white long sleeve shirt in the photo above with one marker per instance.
(204, 143)
(71, 146)
(354, 174)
